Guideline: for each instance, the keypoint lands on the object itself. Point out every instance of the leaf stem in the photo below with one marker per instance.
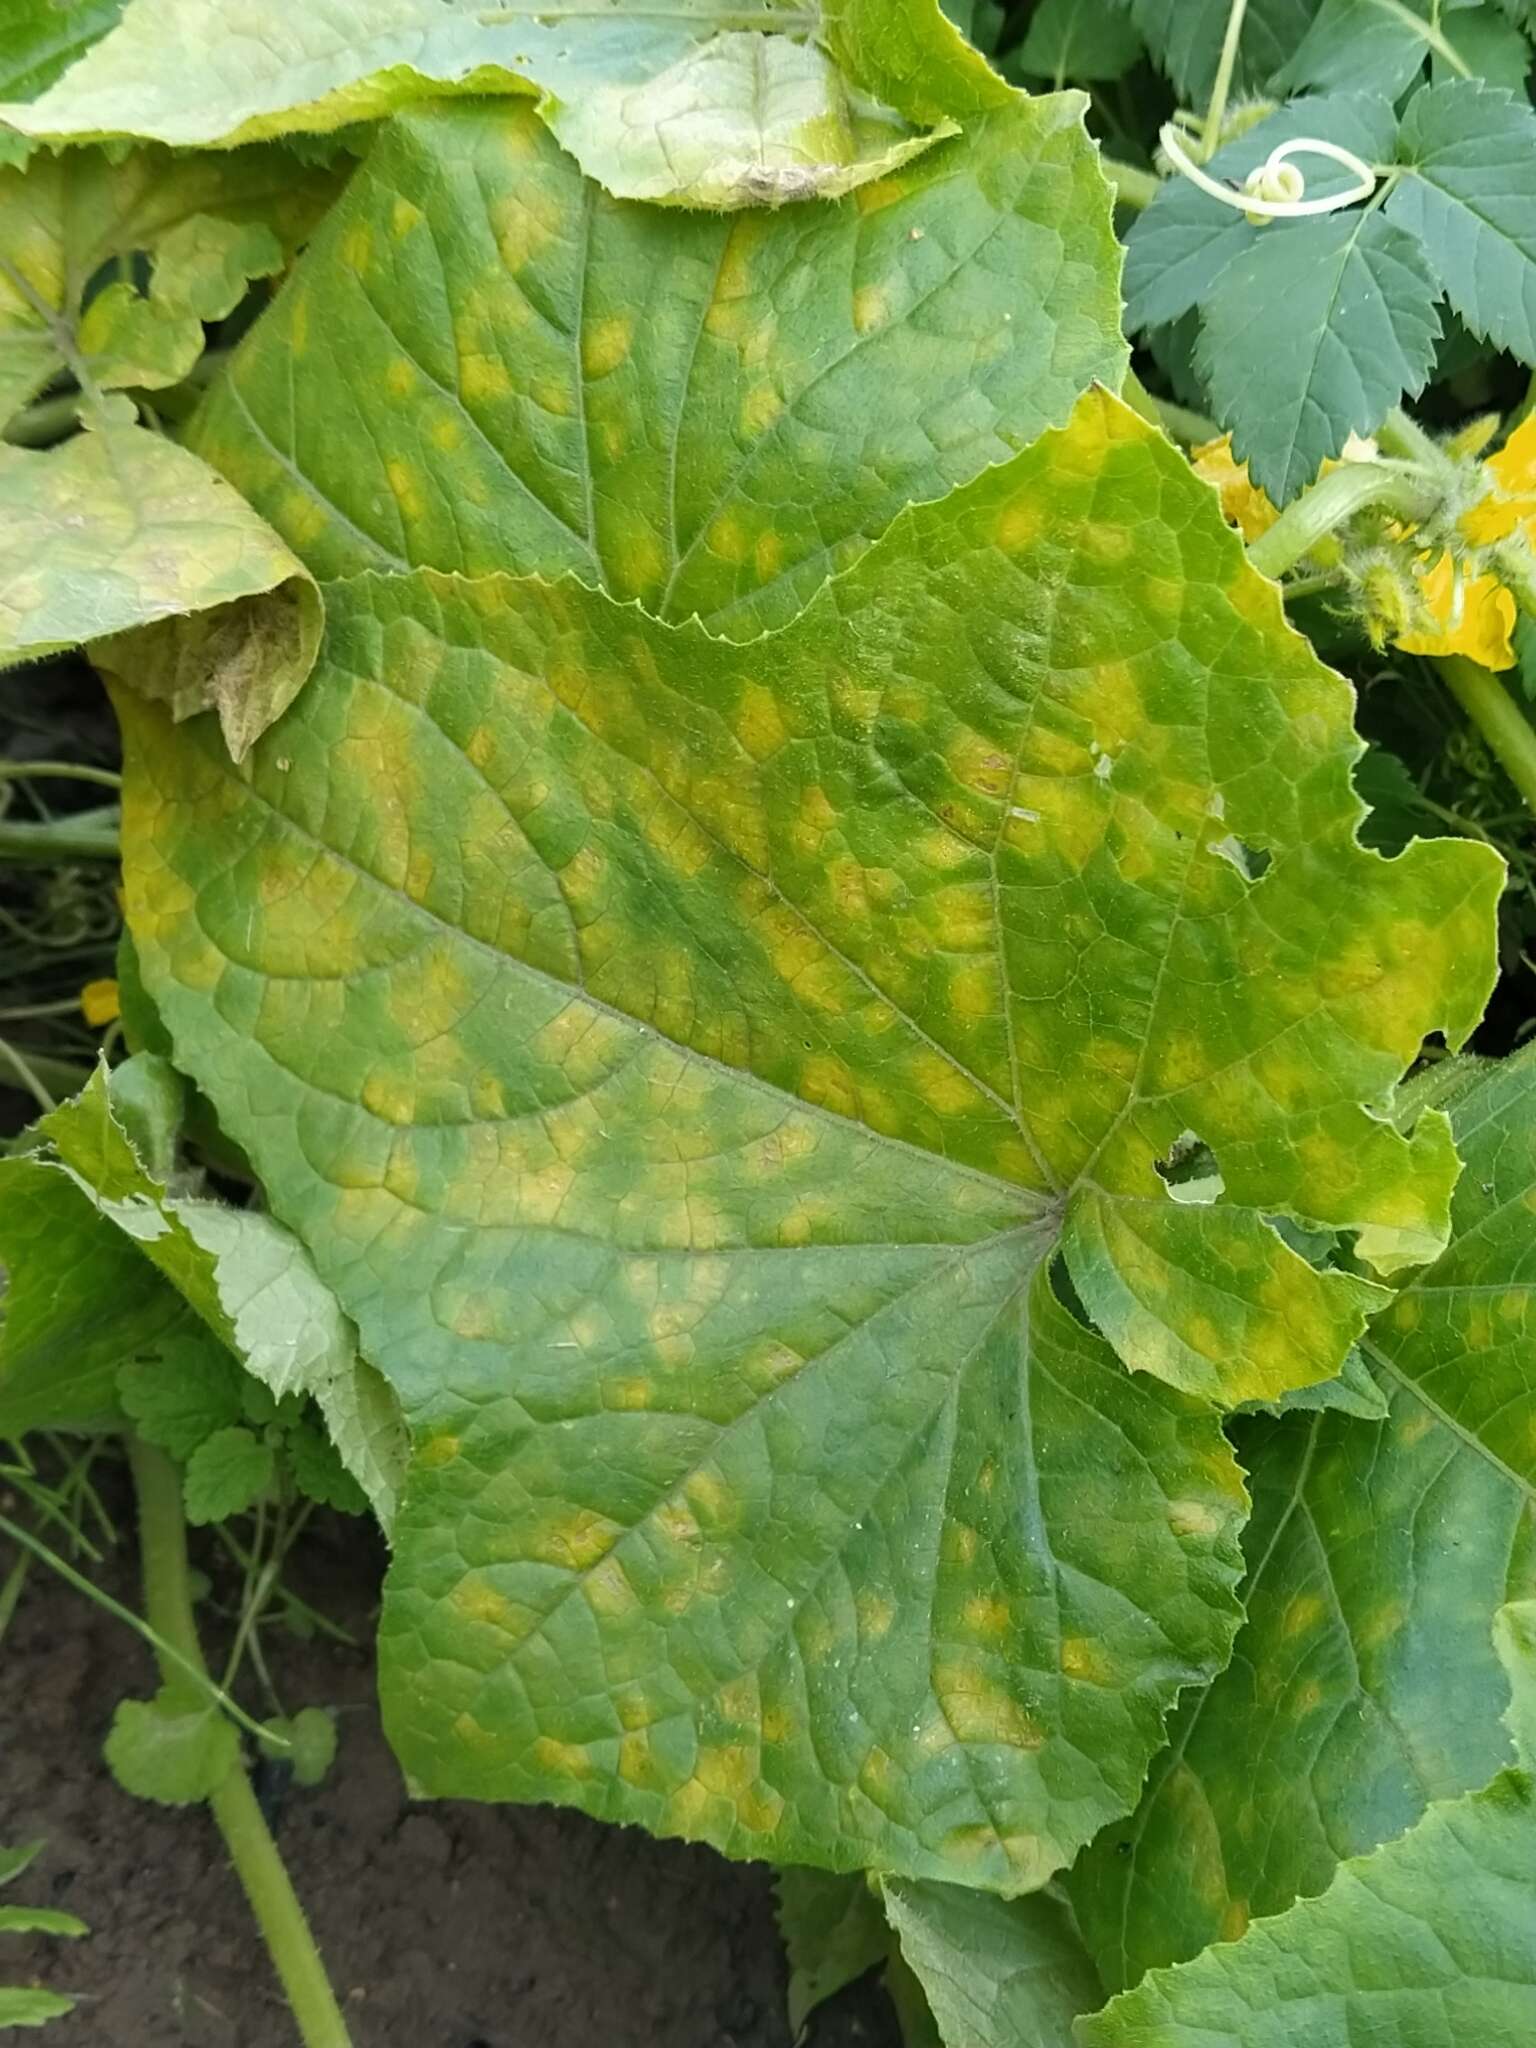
(168, 1599)
(1216, 111)
(1331, 501)
(59, 771)
(84, 835)
(1503, 726)
(1404, 437)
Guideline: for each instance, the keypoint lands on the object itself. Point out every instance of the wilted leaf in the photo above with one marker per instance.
(1364, 1684)
(834, 1930)
(67, 216)
(691, 104)
(120, 529)
(484, 363)
(997, 1973)
(747, 1029)
(174, 1749)
(1431, 1939)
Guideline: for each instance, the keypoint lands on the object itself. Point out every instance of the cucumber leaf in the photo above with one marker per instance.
(1185, 39)
(834, 1930)
(692, 104)
(747, 1029)
(1378, 46)
(997, 1973)
(1364, 1684)
(1431, 1938)
(484, 363)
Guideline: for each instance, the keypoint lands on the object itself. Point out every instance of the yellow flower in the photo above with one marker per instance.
(98, 999)
(1512, 503)
(1242, 502)
(1475, 620)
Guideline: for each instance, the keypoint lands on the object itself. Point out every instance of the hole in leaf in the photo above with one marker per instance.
(1189, 1171)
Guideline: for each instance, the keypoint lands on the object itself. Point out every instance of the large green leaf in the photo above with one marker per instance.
(1364, 1684)
(485, 363)
(685, 1059)
(1377, 46)
(65, 217)
(1315, 332)
(688, 102)
(119, 529)
(244, 1277)
(1432, 1939)
(997, 1973)
(1470, 195)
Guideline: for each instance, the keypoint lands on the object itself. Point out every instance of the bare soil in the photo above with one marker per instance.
(444, 1925)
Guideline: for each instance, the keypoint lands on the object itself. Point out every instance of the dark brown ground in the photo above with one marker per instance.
(444, 1926)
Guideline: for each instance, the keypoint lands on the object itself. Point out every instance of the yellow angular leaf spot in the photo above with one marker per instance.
(1084, 1659)
(438, 1450)
(871, 307)
(778, 1725)
(400, 378)
(1019, 525)
(1234, 1921)
(767, 555)
(477, 1601)
(1193, 1518)
(607, 1590)
(984, 1614)
(875, 1611)
(403, 482)
(979, 1710)
(576, 1541)
(403, 216)
(606, 344)
(729, 539)
(483, 376)
(1302, 1614)
(357, 247)
(446, 432)
(761, 407)
(759, 724)
(565, 1759)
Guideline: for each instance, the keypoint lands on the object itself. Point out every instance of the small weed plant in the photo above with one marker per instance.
(819, 785)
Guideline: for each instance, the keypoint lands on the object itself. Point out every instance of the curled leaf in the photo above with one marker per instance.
(123, 540)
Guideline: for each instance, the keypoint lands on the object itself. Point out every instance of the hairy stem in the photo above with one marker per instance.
(1336, 498)
(1131, 186)
(1503, 726)
(1216, 111)
(168, 1601)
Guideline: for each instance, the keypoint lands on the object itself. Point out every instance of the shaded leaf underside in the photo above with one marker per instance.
(683, 1059)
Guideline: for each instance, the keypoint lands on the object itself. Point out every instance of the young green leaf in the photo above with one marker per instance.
(838, 901)
(174, 1749)
(227, 1474)
(120, 528)
(1316, 332)
(1364, 1684)
(997, 1973)
(834, 1930)
(1075, 42)
(484, 363)
(1469, 194)
(1179, 249)
(306, 1742)
(693, 105)
(1432, 1938)
(186, 1392)
(201, 272)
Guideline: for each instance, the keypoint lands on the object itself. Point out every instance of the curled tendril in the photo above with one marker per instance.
(1276, 189)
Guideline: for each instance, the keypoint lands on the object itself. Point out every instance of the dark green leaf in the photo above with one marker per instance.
(1371, 46)
(1469, 194)
(184, 1394)
(1185, 37)
(1076, 41)
(1315, 333)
